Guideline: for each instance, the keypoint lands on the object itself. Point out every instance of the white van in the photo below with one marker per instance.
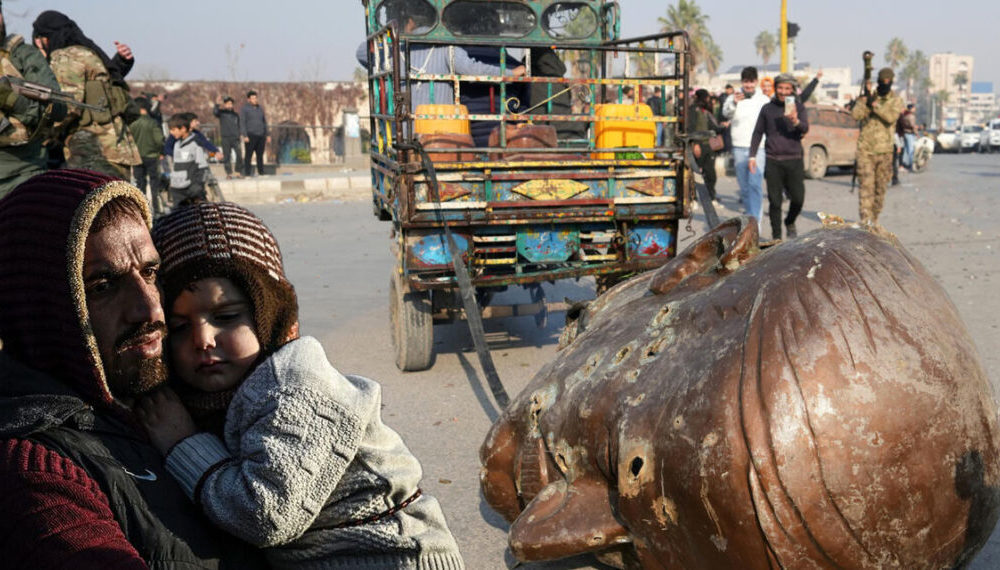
(990, 140)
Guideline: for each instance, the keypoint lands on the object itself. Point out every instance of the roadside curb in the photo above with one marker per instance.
(270, 189)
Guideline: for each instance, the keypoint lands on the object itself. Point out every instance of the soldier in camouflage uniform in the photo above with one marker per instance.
(84, 71)
(878, 114)
(23, 120)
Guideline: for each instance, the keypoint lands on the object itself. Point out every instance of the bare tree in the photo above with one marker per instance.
(233, 62)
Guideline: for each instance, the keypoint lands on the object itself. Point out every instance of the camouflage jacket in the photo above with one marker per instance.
(22, 161)
(878, 123)
(74, 66)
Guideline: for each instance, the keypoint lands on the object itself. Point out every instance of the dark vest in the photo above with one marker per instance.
(157, 518)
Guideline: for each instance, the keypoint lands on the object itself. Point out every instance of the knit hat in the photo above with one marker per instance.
(44, 322)
(886, 75)
(784, 78)
(226, 240)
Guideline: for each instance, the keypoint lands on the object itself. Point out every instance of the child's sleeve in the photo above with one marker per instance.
(293, 451)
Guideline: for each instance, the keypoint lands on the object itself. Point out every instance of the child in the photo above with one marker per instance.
(193, 125)
(187, 179)
(304, 463)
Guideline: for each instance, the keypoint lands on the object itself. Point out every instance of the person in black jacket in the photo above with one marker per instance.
(785, 169)
(253, 127)
(229, 130)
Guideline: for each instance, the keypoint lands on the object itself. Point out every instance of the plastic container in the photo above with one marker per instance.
(612, 132)
(442, 126)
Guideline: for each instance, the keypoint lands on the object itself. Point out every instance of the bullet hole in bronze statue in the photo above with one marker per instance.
(622, 355)
(661, 316)
(636, 466)
(652, 349)
(561, 462)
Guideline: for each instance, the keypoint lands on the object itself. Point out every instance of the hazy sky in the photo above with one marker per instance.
(315, 39)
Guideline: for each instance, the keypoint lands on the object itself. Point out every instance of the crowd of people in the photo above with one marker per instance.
(97, 125)
(762, 125)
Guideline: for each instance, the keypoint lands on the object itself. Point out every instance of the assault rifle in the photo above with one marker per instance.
(43, 94)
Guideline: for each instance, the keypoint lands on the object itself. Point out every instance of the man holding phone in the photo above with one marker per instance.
(741, 109)
(784, 122)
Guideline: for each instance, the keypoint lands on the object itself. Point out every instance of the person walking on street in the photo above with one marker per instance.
(229, 130)
(704, 125)
(784, 121)
(906, 126)
(877, 113)
(741, 110)
(149, 140)
(253, 127)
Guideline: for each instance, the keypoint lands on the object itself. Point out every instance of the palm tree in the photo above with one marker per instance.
(961, 79)
(913, 70)
(895, 52)
(765, 45)
(940, 100)
(687, 16)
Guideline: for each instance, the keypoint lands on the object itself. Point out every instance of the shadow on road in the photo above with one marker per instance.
(478, 384)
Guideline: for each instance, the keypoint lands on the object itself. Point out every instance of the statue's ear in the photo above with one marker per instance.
(727, 246)
(498, 457)
(566, 519)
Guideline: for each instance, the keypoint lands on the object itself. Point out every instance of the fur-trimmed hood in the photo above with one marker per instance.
(44, 323)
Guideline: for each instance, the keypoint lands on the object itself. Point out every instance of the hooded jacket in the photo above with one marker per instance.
(80, 484)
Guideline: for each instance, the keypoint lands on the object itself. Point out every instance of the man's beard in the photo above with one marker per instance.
(143, 377)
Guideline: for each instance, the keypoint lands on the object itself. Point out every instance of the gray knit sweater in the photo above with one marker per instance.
(306, 451)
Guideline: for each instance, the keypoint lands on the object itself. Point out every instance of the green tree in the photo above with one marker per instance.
(940, 99)
(895, 53)
(914, 70)
(961, 79)
(765, 44)
(687, 16)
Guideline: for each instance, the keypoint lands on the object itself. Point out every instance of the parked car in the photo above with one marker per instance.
(969, 137)
(947, 141)
(990, 139)
(832, 139)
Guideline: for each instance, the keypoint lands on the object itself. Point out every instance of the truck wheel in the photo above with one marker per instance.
(412, 326)
(816, 167)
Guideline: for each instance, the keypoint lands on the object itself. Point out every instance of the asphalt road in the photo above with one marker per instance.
(337, 255)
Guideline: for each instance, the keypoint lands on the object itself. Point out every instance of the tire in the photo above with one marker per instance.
(412, 326)
(817, 164)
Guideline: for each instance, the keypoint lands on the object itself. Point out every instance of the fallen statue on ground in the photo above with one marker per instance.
(816, 405)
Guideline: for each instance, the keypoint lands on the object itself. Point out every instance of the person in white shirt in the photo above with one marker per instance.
(742, 110)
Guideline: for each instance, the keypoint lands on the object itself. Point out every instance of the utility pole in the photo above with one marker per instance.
(784, 36)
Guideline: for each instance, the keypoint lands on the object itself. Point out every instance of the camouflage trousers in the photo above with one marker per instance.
(874, 175)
